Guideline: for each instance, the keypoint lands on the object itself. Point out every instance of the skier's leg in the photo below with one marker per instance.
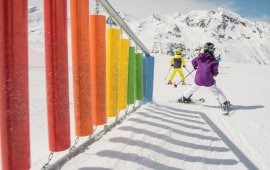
(180, 72)
(172, 75)
(191, 90)
(186, 98)
(218, 94)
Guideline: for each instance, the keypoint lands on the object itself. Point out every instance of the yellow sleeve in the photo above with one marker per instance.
(183, 61)
(171, 61)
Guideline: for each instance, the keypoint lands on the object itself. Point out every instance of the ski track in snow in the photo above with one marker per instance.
(157, 142)
(165, 135)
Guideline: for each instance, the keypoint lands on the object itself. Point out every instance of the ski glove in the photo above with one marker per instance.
(171, 65)
(184, 66)
(195, 68)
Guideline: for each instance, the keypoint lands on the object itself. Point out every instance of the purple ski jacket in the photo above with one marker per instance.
(207, 68)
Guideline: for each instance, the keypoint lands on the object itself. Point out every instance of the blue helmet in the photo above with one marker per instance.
(209, 47)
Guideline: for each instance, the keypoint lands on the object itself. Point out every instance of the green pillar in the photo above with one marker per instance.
(139, 76)
(131, 76)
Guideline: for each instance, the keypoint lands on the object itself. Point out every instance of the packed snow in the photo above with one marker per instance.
(167, 135)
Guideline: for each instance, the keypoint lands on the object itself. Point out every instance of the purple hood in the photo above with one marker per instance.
(207, 67)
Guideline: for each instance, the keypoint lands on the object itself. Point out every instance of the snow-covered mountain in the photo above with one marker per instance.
(35, 24)
(164, 134)
(237, 39)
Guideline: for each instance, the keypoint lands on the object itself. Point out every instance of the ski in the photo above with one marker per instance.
(227, 113)
(175, 85)
(226, 110)
(169, 84)
(194, 101)
(181, 84)
(230, 112)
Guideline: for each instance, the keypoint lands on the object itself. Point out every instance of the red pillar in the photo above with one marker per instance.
(57, 74)
(14, 100)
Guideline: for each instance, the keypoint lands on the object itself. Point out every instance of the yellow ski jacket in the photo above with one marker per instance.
(177, 61)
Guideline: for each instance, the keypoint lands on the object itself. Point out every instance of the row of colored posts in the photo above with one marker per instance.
(107, 76)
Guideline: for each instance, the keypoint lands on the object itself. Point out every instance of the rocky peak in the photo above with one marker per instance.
(156, 16)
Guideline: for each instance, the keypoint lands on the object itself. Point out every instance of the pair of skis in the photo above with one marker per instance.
(174, 84)
(226, 110)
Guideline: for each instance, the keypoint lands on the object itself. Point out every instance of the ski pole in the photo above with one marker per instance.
(168, 72)
(188, 71)
(175, 85)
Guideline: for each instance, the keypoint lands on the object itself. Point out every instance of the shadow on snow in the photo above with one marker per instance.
(240, 155)
(182, 118)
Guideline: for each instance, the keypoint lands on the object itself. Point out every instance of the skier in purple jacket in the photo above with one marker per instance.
(207, 68)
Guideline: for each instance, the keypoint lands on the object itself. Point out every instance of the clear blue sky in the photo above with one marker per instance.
(256, 9)
(251, 9)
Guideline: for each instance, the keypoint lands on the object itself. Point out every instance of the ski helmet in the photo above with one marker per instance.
(178, 52)
(209, 47)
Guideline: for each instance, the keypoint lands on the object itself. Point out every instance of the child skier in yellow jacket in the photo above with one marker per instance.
(177, 62)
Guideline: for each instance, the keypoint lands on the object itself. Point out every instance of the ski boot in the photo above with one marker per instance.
(169, 82)
(184, 100)
(225, 106)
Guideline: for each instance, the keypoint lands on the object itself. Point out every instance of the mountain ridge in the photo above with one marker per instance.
(236, 38)
(231, 33)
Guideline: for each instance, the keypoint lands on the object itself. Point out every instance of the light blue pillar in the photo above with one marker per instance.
(148, 78)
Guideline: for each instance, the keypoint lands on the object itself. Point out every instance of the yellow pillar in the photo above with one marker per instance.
(123, 81)
(112, 71)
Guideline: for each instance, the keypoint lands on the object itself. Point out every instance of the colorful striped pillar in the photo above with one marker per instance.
(131, 76)
(139, 76)
(135, 76)
(123, 79)
(14, 97)
(56, 51)
(79, 10)
(148, 78)
(98, 68)
(112, 66)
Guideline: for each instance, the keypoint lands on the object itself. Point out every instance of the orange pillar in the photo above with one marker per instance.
(55, 17)
(81, 66)
(98, 68)
(14, 97)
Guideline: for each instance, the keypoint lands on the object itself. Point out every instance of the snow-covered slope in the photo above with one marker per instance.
(166, 135)
(236, 38)
(35, 24)
(36, 36)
